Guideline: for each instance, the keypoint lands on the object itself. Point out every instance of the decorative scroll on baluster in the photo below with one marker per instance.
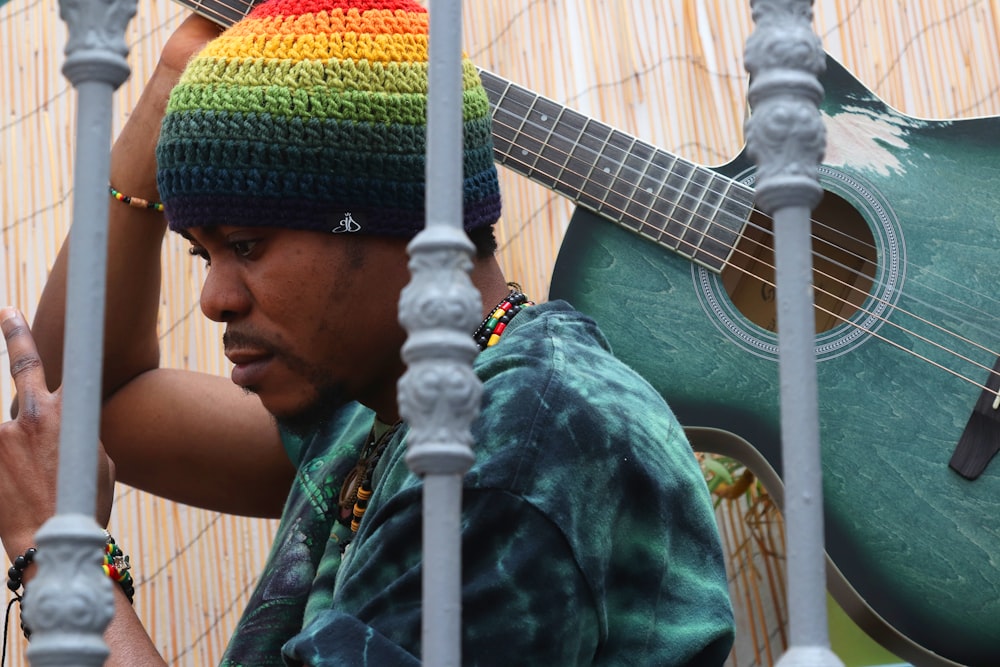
(70, 602)
(786, 138)
(439, 395)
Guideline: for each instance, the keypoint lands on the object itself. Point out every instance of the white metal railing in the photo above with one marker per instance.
(71, 544)
(786, 138)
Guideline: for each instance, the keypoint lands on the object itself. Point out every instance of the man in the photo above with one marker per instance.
(291, 157)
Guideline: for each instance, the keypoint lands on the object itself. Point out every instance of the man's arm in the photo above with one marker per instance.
(198, 439)
(135, 235)
(186, 436)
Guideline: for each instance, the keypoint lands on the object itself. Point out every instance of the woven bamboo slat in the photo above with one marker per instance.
(668, 71)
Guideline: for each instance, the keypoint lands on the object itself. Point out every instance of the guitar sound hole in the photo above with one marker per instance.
(844, 262)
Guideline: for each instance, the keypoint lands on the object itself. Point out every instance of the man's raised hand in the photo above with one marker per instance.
(29, 445)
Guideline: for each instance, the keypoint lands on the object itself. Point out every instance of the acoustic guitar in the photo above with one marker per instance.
(676, 265)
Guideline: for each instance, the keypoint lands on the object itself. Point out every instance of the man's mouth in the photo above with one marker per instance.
(248, 365)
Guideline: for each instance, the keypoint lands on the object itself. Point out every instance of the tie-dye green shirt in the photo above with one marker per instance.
(588, 536)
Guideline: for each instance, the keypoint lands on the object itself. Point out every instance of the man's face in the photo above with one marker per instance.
(311, 318)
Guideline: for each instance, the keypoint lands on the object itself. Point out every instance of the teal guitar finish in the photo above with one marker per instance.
(898, 377)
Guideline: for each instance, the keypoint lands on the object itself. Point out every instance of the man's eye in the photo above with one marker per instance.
(198, 251)
(243, 248)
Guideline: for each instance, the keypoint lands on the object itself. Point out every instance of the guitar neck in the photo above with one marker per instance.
(686, 208)
(689, 209)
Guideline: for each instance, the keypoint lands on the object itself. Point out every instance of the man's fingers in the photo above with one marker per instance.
(25, 364)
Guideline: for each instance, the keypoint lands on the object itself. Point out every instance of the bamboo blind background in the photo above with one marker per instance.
(667, 71)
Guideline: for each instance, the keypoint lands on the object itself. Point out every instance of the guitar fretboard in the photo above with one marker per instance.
(687, 208)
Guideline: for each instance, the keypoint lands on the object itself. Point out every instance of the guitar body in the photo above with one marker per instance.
(919, 543)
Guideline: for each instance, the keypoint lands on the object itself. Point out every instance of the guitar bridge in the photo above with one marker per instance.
(980, 440)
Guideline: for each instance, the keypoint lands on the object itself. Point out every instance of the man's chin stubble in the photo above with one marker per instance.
(315, 416)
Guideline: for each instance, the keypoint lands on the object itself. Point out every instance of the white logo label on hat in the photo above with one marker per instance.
(347, 224)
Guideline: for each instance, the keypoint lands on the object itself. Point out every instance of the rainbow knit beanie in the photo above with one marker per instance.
(312, 114)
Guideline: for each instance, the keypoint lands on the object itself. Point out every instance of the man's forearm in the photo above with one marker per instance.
(134, 243)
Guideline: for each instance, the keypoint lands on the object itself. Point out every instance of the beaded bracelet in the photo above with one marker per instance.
(15, 575)
(489, 331)
(116, 565)
(135, 202)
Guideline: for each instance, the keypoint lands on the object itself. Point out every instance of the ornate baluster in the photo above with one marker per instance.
(70, 602)
(786, 137)
(439, 394)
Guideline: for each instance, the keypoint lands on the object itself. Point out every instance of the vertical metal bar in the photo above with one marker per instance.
(70, 545)
(439, 394)
(786, 138)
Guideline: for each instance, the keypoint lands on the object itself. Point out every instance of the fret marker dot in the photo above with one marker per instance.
(607, 170)
(544, 117)
(524, 152)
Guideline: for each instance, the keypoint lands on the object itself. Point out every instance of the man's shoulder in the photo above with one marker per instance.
(555, 397)
(556, 366)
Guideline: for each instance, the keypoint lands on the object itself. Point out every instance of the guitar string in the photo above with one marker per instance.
(989, 371)
(819, 224)
(916, 355)
(818, 239)
(756, 260)
(695, 214)
(712, 225)
(214, 15)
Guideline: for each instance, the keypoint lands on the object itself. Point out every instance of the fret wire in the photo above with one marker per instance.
(593, 163)
(549, 124)
(504, 96)
(698, 216)
(621, 163)
(680, 214)
(520, 129)
(664, 183)
(558, 121)
(640, 192)
(723, 195)
(695, 215)
(564, 121)
(631, 185)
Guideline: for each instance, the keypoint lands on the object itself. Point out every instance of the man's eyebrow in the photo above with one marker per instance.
(207, 230)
